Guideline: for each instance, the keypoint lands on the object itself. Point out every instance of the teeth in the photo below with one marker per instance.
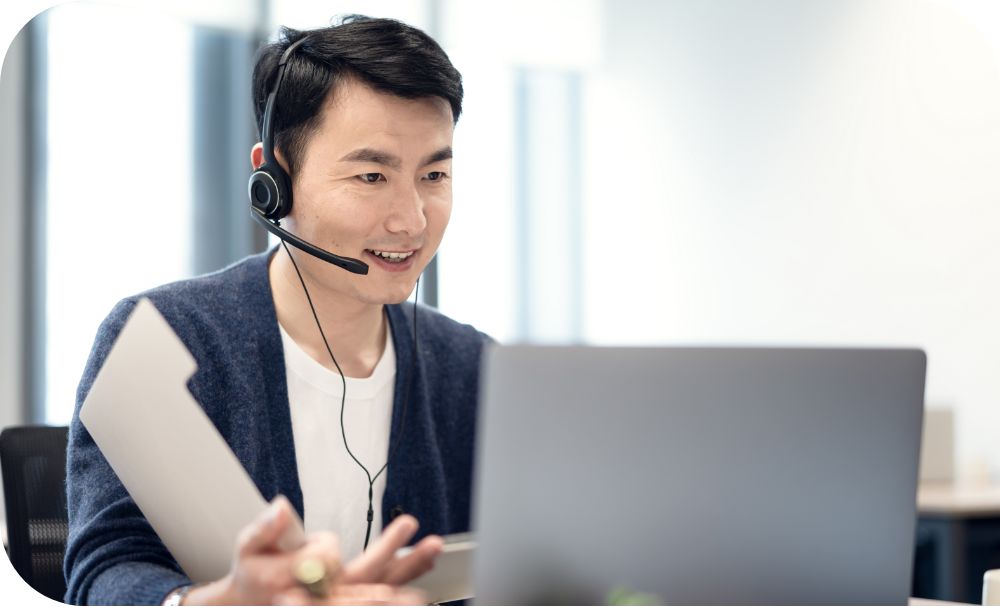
(392, 256)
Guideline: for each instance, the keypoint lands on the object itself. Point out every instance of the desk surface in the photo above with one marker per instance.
(959, 499)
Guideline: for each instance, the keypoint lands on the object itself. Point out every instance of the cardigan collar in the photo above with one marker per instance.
(412, 431)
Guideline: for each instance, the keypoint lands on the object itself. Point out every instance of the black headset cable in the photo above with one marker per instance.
(415, 352)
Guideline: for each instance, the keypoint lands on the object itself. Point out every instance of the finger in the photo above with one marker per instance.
(355, 594)
(351, 594)
(410, 596)
(324, 547)
(370, 567)
(263, 533)
(293, 596)
(376, 594)
(416, 563)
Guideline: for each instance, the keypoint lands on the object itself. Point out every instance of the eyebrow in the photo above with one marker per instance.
(390, 160)
(438, 156)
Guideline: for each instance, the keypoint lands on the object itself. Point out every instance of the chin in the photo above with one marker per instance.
(388, 295)
(399, 297)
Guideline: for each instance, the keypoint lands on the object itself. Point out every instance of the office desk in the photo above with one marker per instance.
(958, 539)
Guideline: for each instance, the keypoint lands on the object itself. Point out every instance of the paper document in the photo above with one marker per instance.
(451, 577)
(180, 471)
(168, 454)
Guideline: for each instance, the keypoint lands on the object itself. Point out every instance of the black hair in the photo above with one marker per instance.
(385, 54)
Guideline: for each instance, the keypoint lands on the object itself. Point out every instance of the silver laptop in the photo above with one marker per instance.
(697, 476)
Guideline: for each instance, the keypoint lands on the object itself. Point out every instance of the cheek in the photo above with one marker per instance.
(335, 213)
(438, 213)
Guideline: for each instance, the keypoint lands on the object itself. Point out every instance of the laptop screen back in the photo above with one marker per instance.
(697, 476)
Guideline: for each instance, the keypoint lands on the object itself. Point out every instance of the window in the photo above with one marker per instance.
(118, 174)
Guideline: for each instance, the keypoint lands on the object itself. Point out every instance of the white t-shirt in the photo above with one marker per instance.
(334, 487)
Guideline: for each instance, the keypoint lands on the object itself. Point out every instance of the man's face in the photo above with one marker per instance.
(374, 183)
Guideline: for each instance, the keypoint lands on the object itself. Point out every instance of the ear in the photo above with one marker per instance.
(257, 155)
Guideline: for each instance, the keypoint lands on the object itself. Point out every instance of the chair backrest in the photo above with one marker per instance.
(33, 461)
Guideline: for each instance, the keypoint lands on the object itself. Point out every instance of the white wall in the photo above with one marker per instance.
(481, 280)
(784, 172)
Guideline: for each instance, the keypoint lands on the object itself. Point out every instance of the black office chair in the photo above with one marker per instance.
(33, 462)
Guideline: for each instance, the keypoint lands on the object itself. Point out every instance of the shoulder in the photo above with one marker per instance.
(440, 334)
(448, 352)
(231, 291)
(222, 302)
(226, 292)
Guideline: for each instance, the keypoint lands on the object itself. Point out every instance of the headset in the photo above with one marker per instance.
(270, 189)
(270, 192)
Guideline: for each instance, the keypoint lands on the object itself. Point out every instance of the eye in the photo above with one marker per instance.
(436, 176)
(371, 177)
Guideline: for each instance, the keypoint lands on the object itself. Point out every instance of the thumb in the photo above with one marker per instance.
(263, 533)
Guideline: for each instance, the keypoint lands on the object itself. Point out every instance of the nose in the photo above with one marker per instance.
(406, 214)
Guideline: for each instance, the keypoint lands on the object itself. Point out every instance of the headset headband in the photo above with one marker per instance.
(267, 127)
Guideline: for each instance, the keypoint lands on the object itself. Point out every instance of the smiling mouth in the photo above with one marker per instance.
(392, 256)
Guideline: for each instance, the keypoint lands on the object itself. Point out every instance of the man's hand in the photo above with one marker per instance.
(374, 577)
(261, 570)
(379, 563)
(263, 574)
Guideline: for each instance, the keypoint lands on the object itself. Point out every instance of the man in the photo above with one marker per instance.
(362, 125)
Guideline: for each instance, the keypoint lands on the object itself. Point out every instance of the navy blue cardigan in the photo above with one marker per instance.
(227, 320)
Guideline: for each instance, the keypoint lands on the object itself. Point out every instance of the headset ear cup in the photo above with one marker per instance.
(269, 194)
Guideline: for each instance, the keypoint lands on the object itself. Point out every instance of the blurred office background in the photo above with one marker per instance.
(629, 172)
